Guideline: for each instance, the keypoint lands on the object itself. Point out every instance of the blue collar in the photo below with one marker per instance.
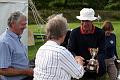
(12, 34)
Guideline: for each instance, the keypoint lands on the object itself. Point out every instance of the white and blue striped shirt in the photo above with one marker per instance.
(54, 62)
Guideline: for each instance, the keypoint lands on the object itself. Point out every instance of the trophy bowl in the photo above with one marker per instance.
(92, 63)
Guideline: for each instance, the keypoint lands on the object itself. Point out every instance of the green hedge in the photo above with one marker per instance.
(71, 14)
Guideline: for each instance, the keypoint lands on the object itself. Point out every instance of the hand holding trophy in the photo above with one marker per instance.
(93, 65)
(79, 60)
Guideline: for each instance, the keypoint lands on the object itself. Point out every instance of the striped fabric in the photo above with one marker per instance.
(54, 62)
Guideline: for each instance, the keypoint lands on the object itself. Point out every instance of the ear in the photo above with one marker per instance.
(13, 24)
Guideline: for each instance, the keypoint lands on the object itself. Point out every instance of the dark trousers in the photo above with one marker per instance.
(88, 76)
(91, 76)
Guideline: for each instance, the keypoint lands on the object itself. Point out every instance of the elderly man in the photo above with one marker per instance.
(85, 37)
(14, 64)
(55, 62)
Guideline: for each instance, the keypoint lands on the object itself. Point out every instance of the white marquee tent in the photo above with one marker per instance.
(9, 6)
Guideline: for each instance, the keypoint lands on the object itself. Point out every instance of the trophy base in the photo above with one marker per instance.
(91, 70)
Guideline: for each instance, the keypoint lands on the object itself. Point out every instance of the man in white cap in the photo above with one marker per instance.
(85, 37)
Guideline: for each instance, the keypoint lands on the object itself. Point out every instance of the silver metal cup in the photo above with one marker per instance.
(93, 63)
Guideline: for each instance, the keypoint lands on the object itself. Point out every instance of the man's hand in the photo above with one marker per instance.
(79, 60)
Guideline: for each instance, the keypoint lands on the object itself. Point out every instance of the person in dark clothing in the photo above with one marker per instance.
(110, 48)
(65, 43)
(88, 36)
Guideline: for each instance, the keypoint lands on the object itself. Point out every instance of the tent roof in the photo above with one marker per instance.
(21, 1)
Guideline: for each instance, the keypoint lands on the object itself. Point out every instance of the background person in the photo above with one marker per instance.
(65, 43)
(55, 62)
(88, 36)
(14, 63)
(110, 48)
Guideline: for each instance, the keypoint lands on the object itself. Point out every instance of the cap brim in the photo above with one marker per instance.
(86, 18)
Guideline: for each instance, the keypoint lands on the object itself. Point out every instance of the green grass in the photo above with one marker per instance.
(32, 50)
(37, 29)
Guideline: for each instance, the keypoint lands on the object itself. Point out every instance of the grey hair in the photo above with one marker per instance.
(53, 15)
(56, 27)
(14, 17)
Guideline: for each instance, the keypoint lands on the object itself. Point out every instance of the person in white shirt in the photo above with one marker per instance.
(55, 62)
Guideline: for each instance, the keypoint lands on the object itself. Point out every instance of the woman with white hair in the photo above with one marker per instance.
(88, 36)
(55, 62)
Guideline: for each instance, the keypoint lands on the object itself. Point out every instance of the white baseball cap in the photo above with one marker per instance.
(87, 14)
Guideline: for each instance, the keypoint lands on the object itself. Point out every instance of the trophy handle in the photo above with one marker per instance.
(93, 52)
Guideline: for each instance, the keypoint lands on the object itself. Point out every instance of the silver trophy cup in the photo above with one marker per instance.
(93, 63)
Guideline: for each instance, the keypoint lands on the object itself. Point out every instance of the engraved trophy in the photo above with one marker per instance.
(92, 63)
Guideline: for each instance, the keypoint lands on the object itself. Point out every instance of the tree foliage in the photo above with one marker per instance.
(113, 5)
(78, 4)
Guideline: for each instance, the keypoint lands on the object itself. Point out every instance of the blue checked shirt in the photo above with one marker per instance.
(12, 53)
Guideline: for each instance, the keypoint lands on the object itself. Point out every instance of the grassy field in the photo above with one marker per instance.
(40, 29)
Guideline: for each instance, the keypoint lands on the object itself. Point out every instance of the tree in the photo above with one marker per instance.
(113, 5)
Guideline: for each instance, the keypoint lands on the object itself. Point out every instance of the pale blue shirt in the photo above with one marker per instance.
(12, 53)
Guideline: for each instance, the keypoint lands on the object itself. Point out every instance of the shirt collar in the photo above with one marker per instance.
(51, 42)
(90, 32)
(12, 34)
